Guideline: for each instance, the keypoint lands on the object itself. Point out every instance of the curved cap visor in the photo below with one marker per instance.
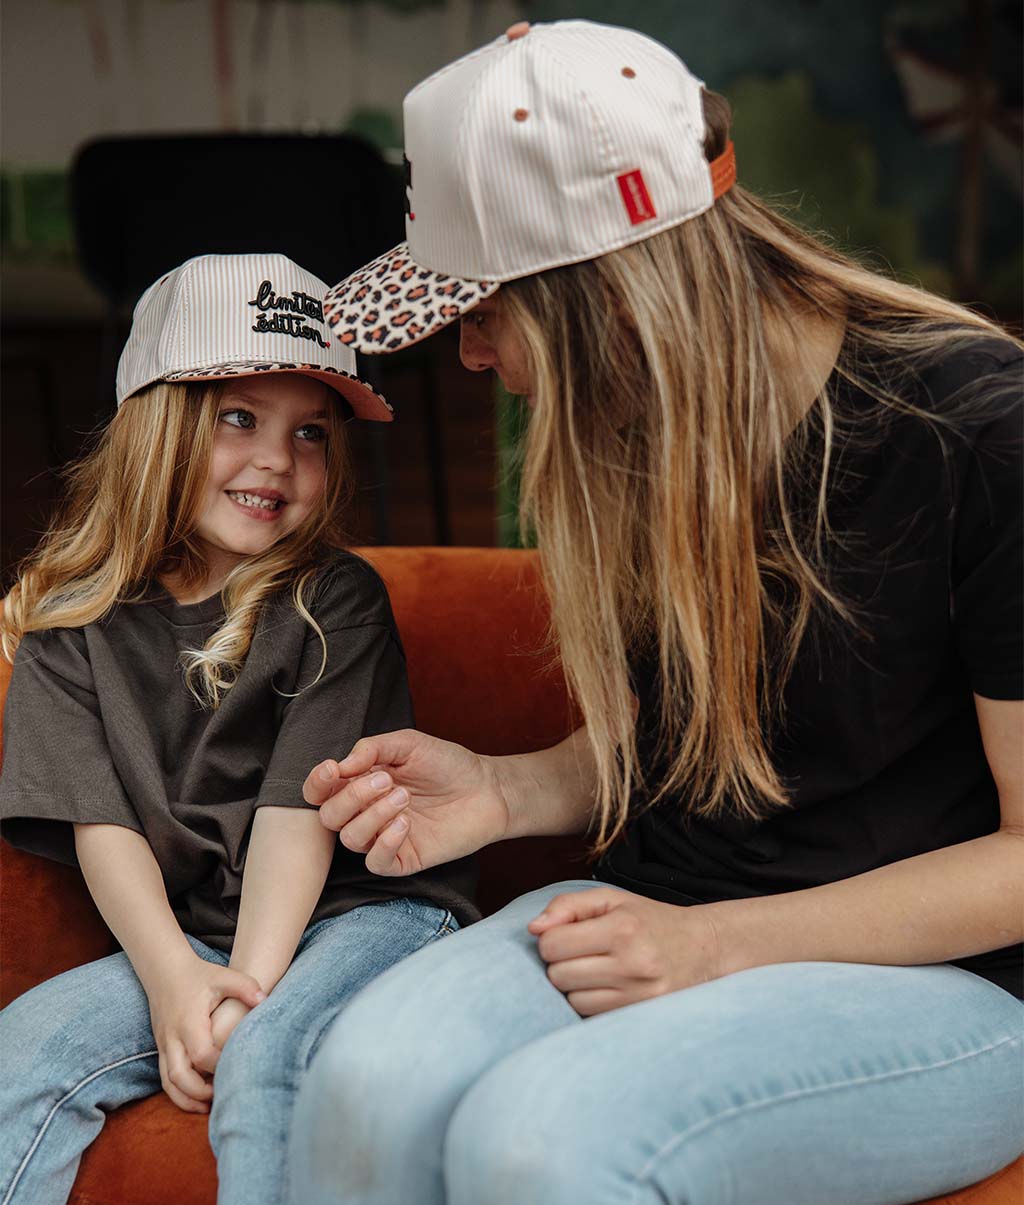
(366, 403)
(395, 302)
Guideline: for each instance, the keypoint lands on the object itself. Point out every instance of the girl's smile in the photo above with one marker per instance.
(266, 506)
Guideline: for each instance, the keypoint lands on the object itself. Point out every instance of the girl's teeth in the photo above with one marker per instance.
(253, 500)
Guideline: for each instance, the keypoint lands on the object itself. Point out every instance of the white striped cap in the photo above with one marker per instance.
(238, 315)
(544, 149)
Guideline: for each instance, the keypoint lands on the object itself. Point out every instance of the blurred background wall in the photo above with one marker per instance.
(894, 126)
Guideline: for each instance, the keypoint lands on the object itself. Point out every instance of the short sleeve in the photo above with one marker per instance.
(57, 768)
(988, 546)
(362, 691)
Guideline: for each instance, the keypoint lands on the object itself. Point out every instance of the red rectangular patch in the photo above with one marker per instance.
(635, 197)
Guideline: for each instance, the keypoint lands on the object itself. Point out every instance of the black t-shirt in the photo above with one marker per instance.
(880, 746)
(99, 728)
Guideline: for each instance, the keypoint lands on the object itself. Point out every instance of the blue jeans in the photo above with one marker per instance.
(81, 1044)
(463, 1076)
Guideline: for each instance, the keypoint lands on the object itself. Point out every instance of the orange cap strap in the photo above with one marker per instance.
(723, 171)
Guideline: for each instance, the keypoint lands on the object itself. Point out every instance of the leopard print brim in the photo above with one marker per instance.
(393, 303)
(365, 401)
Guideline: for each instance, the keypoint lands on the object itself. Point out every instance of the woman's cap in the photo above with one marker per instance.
(238, 315)
(544, 148)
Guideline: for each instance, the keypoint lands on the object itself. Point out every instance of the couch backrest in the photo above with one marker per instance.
(473, 621)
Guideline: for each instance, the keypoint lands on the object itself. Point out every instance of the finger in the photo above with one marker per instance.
(321, 782)
(184, 1077)
(203, 1053)
(389, 748)
(603, 1000)
(361, 832)
(235, 985)
(185, 1103)
(586, 974)
(383, 858)
(582, 939)
(354, 798)
(575, 906)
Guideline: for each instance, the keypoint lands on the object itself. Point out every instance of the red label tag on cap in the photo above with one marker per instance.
(635, 197)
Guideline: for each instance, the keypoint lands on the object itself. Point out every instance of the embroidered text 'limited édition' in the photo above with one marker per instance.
(288, 314)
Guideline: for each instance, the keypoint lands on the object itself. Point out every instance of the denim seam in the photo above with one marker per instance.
(797, 1093)
(445, 927)
(53, 1113)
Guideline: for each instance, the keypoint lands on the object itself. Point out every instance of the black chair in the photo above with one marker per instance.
(142, 205)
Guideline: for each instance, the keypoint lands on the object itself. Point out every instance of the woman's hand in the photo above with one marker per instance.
(181, 1003)
(606, 948)
(409, 801)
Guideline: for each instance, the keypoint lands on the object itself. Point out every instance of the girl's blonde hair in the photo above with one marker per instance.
(129, 515)
(661, 469)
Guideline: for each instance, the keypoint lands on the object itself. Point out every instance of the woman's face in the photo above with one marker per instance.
(268, 467)
(487, 339)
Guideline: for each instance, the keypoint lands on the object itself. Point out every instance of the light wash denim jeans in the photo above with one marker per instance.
(463, 1076)
(79, 1045)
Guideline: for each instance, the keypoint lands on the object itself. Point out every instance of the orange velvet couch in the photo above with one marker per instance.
(473, 624)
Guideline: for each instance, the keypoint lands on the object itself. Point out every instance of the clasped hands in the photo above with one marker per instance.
(194, 1007)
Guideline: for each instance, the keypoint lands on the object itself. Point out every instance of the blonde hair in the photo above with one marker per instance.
(129, 515)
(660, 467)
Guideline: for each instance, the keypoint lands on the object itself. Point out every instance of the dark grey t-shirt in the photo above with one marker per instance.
(99, 728)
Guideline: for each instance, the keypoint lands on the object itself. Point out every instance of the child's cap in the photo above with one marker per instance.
(238, 315)
(552, 146)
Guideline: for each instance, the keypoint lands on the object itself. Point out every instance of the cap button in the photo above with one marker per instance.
(519, 30)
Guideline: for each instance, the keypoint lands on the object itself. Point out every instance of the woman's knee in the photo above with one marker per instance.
(516, 1136)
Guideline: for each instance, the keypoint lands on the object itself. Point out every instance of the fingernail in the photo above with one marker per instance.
(379, 781)
(324, 774)
(260, 997)
(398, 798)
(399, 824)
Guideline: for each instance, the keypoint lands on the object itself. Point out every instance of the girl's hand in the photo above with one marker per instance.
(606, 948)
(181, 1003)
(224, 1018)
(408, 801)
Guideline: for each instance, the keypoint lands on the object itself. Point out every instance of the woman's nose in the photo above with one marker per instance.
(475, 352)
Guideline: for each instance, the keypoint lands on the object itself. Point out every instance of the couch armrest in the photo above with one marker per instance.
(48, 922)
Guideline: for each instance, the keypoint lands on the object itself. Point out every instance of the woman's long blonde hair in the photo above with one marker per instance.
(660, 474)
(129, 516)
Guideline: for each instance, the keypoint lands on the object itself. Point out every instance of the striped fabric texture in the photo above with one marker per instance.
(570, 141)
(237, 315)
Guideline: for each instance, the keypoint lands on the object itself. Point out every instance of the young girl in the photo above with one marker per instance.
(185, 640)
(777, 500)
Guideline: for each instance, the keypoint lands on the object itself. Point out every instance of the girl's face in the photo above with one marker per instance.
(268, 467)
(487, 339)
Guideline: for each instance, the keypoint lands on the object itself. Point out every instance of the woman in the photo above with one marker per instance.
(777, 502)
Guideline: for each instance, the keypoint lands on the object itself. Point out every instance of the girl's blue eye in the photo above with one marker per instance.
(312, 432)
(239, 418)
